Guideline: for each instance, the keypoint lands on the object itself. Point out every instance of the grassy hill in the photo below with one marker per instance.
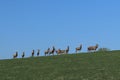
(86, 66)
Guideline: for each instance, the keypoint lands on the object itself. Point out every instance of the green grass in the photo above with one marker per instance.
(86, 66)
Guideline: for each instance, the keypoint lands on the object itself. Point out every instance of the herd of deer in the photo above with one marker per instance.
(59, 51)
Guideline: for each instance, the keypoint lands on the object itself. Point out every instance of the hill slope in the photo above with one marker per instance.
(89, 66)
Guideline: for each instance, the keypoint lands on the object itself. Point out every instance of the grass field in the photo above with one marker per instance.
(86, 66)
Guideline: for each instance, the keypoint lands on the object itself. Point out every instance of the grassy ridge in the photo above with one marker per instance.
(89, 66)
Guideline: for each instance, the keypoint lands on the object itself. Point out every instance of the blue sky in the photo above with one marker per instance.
(39, 24)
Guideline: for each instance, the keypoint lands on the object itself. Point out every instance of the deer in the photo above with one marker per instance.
(59, 51)
(38, 53)
(93, 48)
(47, 51)
(78, 48)
(33, 52)
(23, 54)
(52, 51)
(15, 55)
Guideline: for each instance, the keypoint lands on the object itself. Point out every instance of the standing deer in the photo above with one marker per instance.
(67, 50)
(93, 48)
(52, 51)
(15, 55)
(23, 54)
(33, 52)
(47, 51)
(38, 53)
(78, 48)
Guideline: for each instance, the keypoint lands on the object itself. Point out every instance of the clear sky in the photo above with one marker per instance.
(39, 24)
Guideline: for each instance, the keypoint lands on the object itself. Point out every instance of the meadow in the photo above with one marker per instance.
(81, 66)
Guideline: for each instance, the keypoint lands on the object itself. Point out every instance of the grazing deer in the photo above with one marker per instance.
(33, 52)
(78, 48)
(47, 51)
(52, 51)
(63, 51)
(15, 55)
(38, 53)
(59, 51)
(23, 54)
(91, 48)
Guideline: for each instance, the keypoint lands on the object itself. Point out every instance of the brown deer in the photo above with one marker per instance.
(47, 51)
(59, 51)
(78, 48)
(52, 51)
(15, 55)
(67, 50)
(93, 48)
